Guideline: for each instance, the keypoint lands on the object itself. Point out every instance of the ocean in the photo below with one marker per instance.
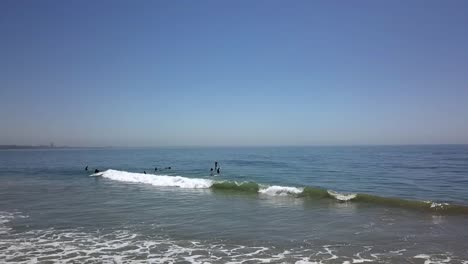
(322, 204)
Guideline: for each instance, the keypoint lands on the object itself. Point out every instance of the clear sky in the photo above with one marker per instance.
(171, 73)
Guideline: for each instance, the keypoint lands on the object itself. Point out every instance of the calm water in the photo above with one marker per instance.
(51, 210)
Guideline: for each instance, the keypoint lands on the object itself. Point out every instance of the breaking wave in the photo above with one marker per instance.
(156, 180)
(255, 188)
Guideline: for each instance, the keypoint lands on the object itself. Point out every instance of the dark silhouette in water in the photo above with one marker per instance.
(144, 172)
(156, 169)
(216, 165)
(86, 169)
(96, 171)
(217, 171)
(167, 168)
(211, 172)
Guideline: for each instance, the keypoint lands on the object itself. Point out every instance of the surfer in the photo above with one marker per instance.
(86, 169)
(217, 171)
(211, 172)
(96, 171)
(216, 165)
(144, 172)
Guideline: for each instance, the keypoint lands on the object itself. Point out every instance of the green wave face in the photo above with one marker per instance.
(411, 204)
(253, 189)
(316, 193)
(248, 187)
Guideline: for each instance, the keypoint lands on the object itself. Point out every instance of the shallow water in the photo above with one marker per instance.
(52, 210)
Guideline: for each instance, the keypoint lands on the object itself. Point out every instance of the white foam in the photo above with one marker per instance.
(280, 190)
(156, 180)
(341, 196)
(438, 205)
(127, 246)
(74, 245)
(306, 261)
(184, 182)
(434, 259)
(5, 218)
(360, 259)
(398, 252)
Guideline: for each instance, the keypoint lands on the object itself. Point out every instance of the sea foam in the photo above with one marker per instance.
(156, 180)
(280, 190)
(341, 196)
(298, 192)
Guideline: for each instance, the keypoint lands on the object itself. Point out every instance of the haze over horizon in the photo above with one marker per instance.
(210, 73)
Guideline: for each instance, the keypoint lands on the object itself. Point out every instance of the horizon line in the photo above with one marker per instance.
(40, 146)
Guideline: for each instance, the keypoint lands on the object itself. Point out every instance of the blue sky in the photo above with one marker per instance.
(176, 73)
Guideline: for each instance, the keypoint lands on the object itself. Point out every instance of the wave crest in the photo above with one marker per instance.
(341, 196)
(255, 188)
(280, 190)
(156, 180)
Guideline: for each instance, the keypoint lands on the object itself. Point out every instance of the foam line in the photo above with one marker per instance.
(255, 188)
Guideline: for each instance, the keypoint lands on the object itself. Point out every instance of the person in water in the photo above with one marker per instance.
(156, 169)
(144, 172)
(211, 172)
(96, 171)
(86, 169)
(216, 165)
(217, 171)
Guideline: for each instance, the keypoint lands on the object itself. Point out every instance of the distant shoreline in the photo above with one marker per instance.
(31, 147)
(47, 147)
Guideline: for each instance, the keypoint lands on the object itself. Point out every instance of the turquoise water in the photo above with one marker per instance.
(388, 204)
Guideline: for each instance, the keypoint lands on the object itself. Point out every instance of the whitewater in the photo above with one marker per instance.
(194, 183)
(275, 190)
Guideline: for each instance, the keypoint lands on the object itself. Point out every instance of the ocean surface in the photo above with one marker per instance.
(375, 204)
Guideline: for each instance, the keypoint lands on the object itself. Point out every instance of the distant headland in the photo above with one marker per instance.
(33, 147)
